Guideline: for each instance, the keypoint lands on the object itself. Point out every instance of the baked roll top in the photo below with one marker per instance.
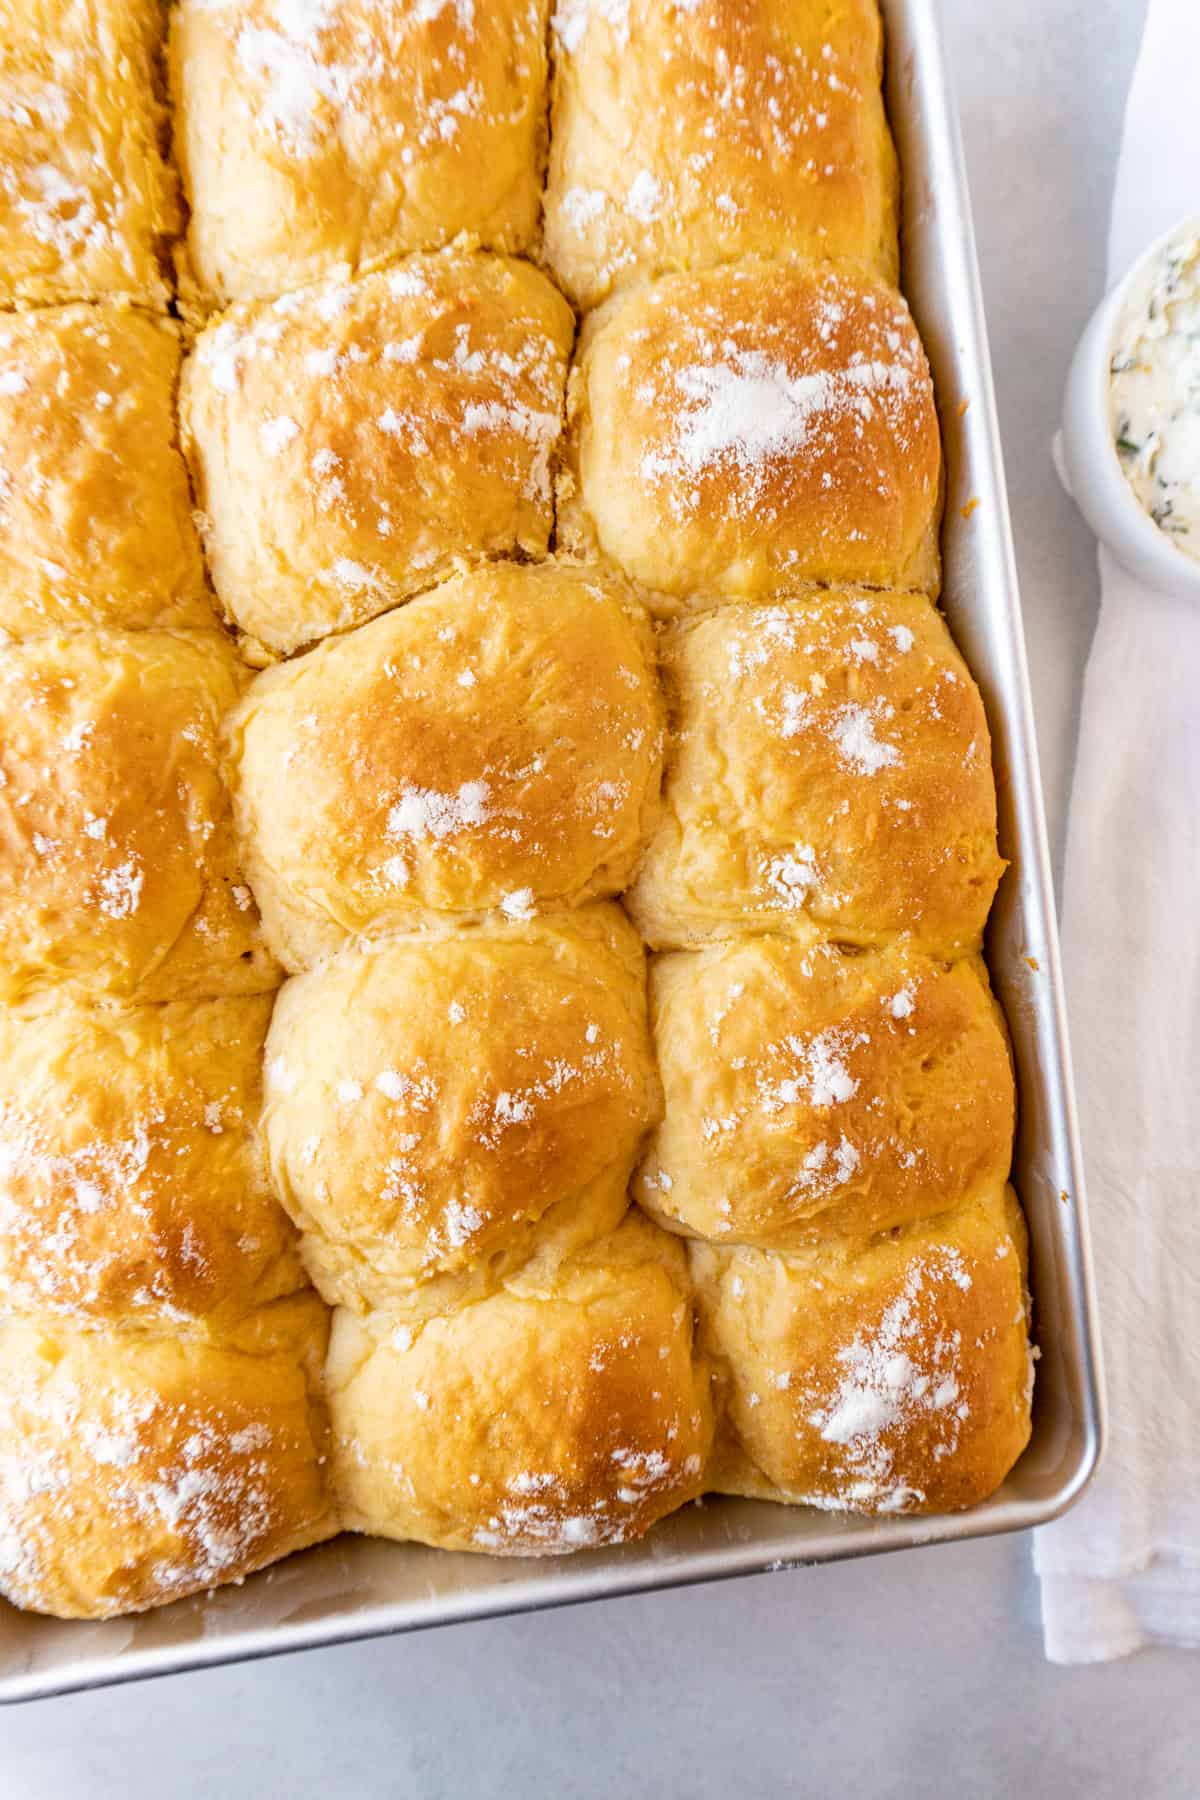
(693, 132)
(342, 131)
(440, 1110)
(139, 1468)
(133, 1186)
(744, 430)
(830, 776)
(352, 443)
(557, 1415)
(813, 1095)
(87, 205)
(117, 864)
(494, 745)
(880, 1375)
(95, 512)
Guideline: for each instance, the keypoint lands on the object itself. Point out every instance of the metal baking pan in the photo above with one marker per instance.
(356, 1587)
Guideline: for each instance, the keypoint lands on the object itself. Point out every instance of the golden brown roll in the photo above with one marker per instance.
(746, 430)
(133, 1186)
(812, 1095)
(341, 131)
(87, 205)
(554, 1416)
(440, 1110)
(890, 1374)
(352, 444)
(693, 132)
(140, 1468)
(117, 863)
(830, 776)
(95, 511)
(496, 744)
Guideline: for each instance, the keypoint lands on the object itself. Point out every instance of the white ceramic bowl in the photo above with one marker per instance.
(1089, 462)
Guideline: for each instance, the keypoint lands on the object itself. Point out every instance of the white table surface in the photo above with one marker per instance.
(917, 1674)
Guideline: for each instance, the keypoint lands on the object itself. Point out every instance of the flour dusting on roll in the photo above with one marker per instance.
(887, 1374)
(96, 522)
(117, 865)
(751, 428)
(137, 1469)
(774, 141)
(441, 1110)
(133, 1184)
(87, 204)
(813, 1095)
(355, 442)
(566, 1412)
(830, 777)
(493, 747)
(339, 132)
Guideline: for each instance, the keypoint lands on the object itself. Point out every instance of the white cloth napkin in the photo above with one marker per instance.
(1123, 1569)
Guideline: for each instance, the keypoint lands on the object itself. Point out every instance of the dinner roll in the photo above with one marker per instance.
(117, 866)
(132, 1182)
(353, 443)
(440, 1110)
(340, 131)
(890, 1374)
(812, 1095)
(693, 132)
(86, 202)
(830, 775)
(496, 744)
(553, 1416)
(141, 1468)
(744, 430)
(95, 512)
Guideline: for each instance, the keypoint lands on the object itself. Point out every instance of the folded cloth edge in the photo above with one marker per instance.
(1122, 1571)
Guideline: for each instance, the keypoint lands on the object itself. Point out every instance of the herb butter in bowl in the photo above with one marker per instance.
(1131, 416)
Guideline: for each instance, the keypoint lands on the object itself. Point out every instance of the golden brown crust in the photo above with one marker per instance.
(496, 744)
(87, 205)
(812, 1095)
(133, 1186)
(117, 865)
(439, 1111)
(142, 1468)
(95, 511)
(890, 1374)
(749, 429)
(435, 807)
(830, 775)
(337, 134)
(692, 132)
(554, 1416)
(351, 444)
